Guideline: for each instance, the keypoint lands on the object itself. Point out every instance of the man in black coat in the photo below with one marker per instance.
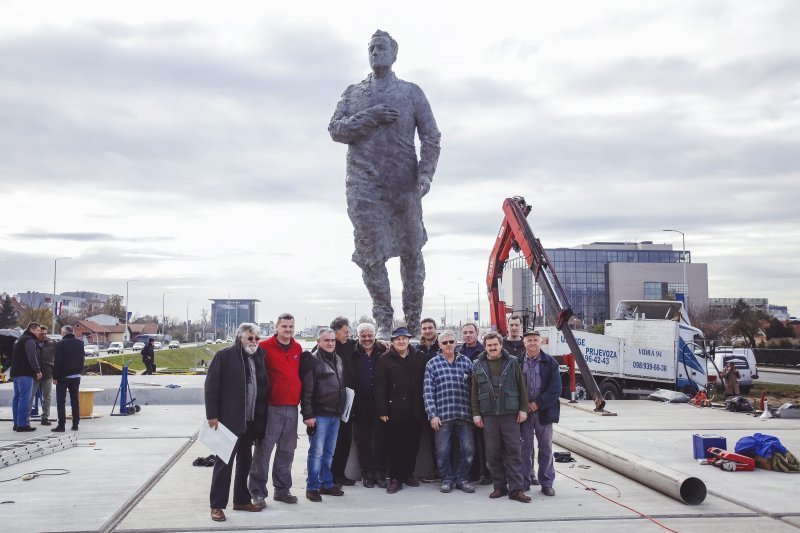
(24, 369)
(67, 368)
(368, 429)
(346, 349)
(236, 391)
(399, 377)
(149, 357)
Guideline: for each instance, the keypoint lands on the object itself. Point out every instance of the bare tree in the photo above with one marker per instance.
(748, 322)
(40, 315)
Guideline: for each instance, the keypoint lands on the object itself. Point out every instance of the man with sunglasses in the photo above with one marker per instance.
(236, 396)
(447, 388)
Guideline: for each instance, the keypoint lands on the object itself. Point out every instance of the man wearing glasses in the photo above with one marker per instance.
(448, 380)
(236, 396)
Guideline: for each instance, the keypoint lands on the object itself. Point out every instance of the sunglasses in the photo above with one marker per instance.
(251, 339)
(447, 342)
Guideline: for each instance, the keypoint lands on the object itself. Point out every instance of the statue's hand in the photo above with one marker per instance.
(382, 113)
(424, 182)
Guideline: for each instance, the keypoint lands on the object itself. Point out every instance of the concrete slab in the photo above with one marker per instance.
(138, 476)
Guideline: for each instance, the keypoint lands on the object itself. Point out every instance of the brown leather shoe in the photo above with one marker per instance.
(285, 498)
(249, 507)
(332, 491)
(393, 486)
(519, 496)
(498, 493)
(217, 515)
(313, 495)
(411, 481)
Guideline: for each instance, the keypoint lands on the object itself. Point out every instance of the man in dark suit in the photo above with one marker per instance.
(67, 368)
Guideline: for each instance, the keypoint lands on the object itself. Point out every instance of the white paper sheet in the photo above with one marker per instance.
(349, 396)
(220, 441)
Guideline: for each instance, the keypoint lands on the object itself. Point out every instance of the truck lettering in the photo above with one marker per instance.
(650, 353)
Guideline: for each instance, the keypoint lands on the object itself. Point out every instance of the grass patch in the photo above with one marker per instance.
(180, 358)
(782, 390)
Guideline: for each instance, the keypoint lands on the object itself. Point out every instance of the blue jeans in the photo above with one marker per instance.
(320, 453)
(21, 402)
(462, 431)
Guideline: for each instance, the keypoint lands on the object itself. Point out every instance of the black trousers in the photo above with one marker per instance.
(342, 451)
(221, 477)
(72, 385)
(402, 446)
(370, 443)
(149, 365)
(479, 467)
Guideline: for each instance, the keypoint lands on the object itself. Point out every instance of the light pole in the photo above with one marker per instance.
(126, 336)
(444, 306)
(187, 320)
(163, 314)
(479, 301)
(683, 244)
(55, 305)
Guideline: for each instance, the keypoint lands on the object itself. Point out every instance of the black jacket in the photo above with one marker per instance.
(323, 385)
(347, 351)
(548, 399)
(515, 348)
(148, 352)
(23, 356)
(428, 351)
(225, 390)
(364, 402)
(69, 357)
(398, 386)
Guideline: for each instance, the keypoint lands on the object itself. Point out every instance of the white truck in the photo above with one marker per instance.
(649, 344)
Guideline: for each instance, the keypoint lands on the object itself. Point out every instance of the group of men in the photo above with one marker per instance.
(481, 407)
(37, 363)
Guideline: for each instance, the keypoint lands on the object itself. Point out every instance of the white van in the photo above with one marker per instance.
(115, 347)
(742, 358)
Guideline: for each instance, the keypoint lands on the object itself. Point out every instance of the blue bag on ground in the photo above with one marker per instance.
(759, 444)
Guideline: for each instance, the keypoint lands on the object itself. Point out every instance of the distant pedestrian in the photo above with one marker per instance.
(149, 357)
(24, 371)
(68, 364)
(543, 382)
(499, 406)
(236, 396)
(730, 376)
(322, 405)
(46, 352)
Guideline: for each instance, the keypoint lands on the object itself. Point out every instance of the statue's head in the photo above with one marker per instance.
(382, 50)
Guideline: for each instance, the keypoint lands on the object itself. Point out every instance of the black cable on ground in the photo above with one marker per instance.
(27, 476)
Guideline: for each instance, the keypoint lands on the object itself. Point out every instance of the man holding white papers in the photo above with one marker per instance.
(322, 403)
(236, 391)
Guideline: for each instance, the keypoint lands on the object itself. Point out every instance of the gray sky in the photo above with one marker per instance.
(187, 146)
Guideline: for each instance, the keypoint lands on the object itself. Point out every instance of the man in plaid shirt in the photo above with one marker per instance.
(448, 378)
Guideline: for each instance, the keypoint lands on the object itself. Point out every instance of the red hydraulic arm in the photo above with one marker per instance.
(517, 234)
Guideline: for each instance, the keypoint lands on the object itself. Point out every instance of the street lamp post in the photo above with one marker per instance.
(55, 305)
(163, 314)
(683, 254)
(126, 336)
(187, 320)
(478, 285)
(444, 306)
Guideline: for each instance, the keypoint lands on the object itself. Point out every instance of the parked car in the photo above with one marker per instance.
(138, 346)
(209, 341)
(92, 350)
(219, 341)
(174, 345)
(115, 347)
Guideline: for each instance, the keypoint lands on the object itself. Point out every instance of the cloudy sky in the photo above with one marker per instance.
(186, 146)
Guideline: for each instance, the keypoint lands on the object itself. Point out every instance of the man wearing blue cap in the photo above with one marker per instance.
(399, 375)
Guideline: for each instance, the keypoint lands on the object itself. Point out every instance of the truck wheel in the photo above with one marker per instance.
(610, 391)
(580, 390)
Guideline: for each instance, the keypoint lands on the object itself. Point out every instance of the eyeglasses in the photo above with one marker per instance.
(251, 339)
(447, 342)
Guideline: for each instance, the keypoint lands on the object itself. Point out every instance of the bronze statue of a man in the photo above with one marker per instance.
(385, 183)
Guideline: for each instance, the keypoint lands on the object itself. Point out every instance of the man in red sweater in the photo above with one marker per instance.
(282, 359)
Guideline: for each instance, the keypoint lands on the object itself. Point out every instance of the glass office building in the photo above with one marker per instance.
(584, 274)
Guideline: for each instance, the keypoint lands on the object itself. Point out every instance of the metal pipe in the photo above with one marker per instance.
(683, 487)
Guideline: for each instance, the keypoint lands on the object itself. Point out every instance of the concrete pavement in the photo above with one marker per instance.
(135, 473)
